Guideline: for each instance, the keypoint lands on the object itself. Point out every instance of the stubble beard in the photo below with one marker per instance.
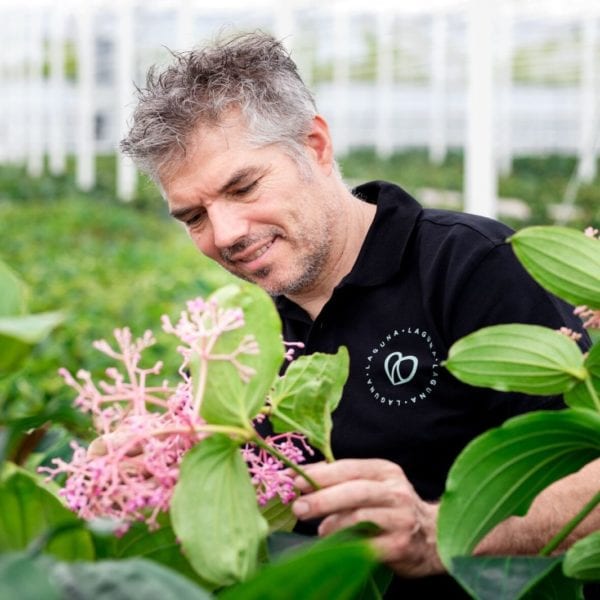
(310, 266)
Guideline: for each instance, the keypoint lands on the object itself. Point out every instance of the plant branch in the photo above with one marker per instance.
(285, 460)
(592, 390)
(570, 526)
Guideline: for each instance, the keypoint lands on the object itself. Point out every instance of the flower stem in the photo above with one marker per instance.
(246, 434)
(592, 390)
(286, 461)
(568, 528)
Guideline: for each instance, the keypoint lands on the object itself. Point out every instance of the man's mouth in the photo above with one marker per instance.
(248, 252)
(256, 254)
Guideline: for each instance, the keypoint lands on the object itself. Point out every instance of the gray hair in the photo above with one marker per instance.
(252, 72)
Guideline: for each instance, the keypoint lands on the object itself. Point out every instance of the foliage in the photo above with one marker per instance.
(103, 263)
(185, 449)
(500, 473)
(539, 182)
(19, 333)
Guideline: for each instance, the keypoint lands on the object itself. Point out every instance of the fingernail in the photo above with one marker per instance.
(300, 507)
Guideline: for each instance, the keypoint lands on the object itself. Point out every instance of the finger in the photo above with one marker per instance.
(400, 522)
(409, 556)
(405, 545)
(328, 474)
(356, 494)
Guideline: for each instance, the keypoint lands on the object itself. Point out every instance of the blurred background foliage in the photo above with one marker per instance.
(109, 264)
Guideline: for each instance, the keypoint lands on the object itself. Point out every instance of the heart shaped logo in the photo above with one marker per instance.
(393, 366)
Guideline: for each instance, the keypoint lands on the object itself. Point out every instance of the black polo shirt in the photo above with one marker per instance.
(423, 279)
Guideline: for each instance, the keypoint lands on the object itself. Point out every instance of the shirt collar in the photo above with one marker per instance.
(385, 243)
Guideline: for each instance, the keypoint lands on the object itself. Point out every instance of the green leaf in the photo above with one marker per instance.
(519, 358)
(334, 567)
(25, 578)
(564, 261)
(160, 545)
(579, 396)
(280, 542)
(513, 577)
(130, 578)
(278, 515)
(30, 329)
(499, 473)
(28, 509)
(215, 513)
(13, 299)
(19, 333)
(228, 400)
(582, 560)
(304, 398)
(377, 584)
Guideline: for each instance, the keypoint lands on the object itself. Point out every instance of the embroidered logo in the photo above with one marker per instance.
(393, 367)
(402, 368)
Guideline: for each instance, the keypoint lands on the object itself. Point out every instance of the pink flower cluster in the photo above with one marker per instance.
(130, 470)
(269, 475)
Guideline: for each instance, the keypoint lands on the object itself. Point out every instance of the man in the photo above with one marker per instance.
(232, 137)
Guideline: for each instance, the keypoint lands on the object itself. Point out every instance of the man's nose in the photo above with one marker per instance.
(228, 224)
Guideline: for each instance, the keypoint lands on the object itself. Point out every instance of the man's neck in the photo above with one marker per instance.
(356, 218)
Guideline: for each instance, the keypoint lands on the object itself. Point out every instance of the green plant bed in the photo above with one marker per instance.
(104, 264)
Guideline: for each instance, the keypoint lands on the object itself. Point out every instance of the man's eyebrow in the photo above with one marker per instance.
(237, 177)
(181, 213)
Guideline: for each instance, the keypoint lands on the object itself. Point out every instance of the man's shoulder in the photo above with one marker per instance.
(446, 224)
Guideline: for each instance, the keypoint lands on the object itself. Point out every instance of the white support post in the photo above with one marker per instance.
(437, 108)
(85, 142)
(5, 96)
(126, 171)
(341, 76)
(480, 170)
(505, 87)
(589, 121)
(16, 55)
(384, 143)
(288, 31)
(284, 25)
(57, 117)
(185, 25)
(35, 93)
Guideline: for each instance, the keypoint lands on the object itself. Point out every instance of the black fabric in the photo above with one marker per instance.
(423, 279)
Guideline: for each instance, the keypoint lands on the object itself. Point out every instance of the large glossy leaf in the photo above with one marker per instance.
(514, 577)
(160, 545)
(518, 358)
(13, 292)
(278, 515)
(564, 261)
(336, 567)
(582, 560)
(30, 329)
(128, 578)
(25, 578)
(304, 398)
(215, 514)
(228, 399)
(28, 509)
(377, 584)
(19, 333)
(579, 396)
(499, 473)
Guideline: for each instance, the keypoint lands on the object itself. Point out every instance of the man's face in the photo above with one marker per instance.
(253, 210)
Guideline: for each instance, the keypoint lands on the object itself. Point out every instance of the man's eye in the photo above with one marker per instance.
(196, 219)
(245, 190)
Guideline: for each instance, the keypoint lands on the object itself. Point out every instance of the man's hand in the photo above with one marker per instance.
(374, 490)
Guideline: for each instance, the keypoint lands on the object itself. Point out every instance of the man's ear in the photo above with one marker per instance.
(319, 144)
